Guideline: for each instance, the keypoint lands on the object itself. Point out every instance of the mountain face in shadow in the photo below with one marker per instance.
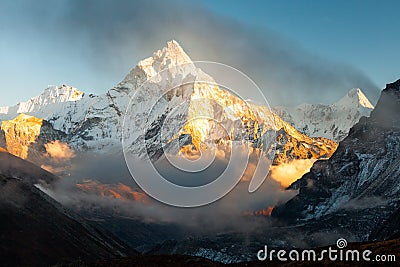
(360, 182)
(15, 167)
(37, 231)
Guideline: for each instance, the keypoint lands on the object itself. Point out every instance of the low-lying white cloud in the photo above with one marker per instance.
(59, 150)
(288, 173)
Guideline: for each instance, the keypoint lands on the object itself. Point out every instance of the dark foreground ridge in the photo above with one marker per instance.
(37, 231)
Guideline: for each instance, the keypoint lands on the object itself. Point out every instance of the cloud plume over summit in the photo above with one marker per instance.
(110, 37)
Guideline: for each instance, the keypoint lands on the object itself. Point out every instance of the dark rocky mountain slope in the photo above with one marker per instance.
(360, 182)
(35, 230)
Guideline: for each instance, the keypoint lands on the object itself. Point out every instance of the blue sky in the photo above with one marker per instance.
(363, 33)
(297, 51)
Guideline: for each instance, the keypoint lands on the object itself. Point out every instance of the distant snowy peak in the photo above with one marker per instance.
(51, 95)
(330, 121)
(353, 98)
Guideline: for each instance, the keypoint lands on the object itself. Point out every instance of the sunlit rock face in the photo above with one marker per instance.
(253, 121)
(34, 139)
(20, 133)
(293, 145)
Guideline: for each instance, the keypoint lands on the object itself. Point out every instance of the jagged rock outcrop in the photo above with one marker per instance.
(26, 136)
(20, 133)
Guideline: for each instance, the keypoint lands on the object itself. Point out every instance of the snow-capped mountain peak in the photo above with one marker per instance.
(172, 58)
(355, 97)
(330, 121)
(51, 95)
(171, 55)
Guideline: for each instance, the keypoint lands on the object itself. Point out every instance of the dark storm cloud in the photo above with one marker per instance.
(112, 35)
